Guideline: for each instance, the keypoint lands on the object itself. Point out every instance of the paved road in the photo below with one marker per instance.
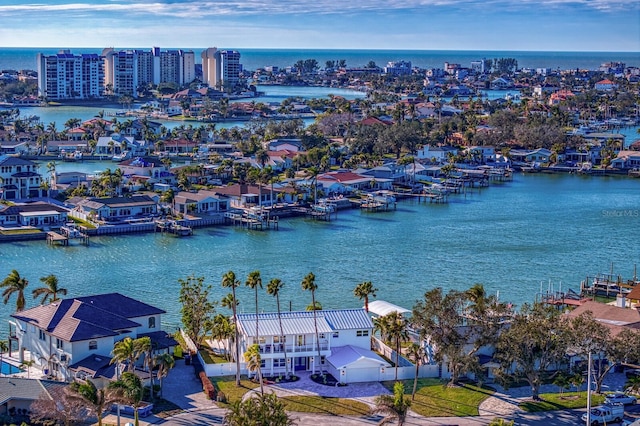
(184, 389)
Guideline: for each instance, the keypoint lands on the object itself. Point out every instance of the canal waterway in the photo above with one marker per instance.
(515, 238)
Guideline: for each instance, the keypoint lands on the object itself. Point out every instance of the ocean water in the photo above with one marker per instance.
(251, 59)
(515, 238)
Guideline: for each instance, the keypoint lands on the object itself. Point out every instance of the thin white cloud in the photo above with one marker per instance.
(203, 9)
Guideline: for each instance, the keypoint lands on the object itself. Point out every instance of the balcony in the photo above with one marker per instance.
(292, 349)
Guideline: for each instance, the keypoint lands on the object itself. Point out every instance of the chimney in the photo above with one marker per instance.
(621, 301)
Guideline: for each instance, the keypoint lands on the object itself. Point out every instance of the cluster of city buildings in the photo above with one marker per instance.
(65, 75)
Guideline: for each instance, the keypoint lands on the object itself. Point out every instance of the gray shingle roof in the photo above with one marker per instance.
(90, 317)
(25, 389)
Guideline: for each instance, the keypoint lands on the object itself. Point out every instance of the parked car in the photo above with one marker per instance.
(604, 415)
(620, 398)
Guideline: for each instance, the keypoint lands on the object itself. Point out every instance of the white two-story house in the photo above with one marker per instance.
(19, 178)
(75, 337)
(345, 343)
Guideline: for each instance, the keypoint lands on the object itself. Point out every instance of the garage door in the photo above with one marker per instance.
(370, 374)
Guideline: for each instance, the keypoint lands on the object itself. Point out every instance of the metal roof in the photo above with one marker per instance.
(301, 322)
(382, 308)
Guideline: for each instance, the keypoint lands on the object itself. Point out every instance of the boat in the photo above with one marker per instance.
(609, 285)
(531, 168)
(121, 157)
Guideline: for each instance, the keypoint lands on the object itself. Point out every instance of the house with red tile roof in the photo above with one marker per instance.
(605, 85)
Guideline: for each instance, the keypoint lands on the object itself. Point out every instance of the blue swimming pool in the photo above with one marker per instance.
(6, 368)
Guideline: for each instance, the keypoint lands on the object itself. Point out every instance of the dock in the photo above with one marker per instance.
(53, 238)
(322, 211)
(173, 227)
(252, 221)
(68, 232)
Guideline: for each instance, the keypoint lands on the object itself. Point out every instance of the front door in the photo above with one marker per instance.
(300, 363)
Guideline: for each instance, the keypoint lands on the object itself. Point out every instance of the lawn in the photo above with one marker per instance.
(435, 399)
(329, 406)
(20, 231)
(227, 384)
(561, 401)
(209, 357)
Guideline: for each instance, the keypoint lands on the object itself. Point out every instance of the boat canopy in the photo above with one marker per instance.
(382, 308)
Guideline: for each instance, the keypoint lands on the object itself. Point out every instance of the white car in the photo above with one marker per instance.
(620, 398)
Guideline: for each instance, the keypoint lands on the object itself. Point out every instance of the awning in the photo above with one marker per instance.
(382, 308)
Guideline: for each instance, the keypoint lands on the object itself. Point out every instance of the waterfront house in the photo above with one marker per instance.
(61, 335)
(19, 178)
(146, 167)
(348, 182)
(115, 209)
(344, 338)
(482, 154)
(115, 144)
(540, 155)
(244, 196)
(37, 215)
(605, 85)
(615, 317)
(627, 160)
(201, 202)
(15, 148)
(438, 154)
(389, 171)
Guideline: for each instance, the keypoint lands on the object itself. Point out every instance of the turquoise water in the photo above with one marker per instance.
(513, 238)
(6, 368)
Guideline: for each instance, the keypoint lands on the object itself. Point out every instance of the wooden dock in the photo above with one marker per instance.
(53, 238)
(67, 233)
(252, 222)
(173, 227)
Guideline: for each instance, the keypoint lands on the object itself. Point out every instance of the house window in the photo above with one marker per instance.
(278, 362)
(41, 335)
(93, 345)
(322, 358)
(263, 363)
(336, 335)
(362, 333)
(321, 335)
(152, 322)
(59, 344)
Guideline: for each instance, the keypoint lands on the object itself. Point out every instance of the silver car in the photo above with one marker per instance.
(620, 398)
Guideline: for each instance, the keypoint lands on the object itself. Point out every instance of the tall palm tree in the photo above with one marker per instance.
(14, 283)
(417, 354)
(254, 282)
(50, 290)
(143, 348)
(363, 291)
(254, 363)
(125, 351)
(97, 401)
(273, 289)
(394, 407)
(165, 363)
(229, 281)
(222, 329)
(309, 284)
(398, 333)
(4, 347)
(129, 387)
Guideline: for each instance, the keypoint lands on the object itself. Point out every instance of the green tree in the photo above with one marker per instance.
(196, 308)
(254, 363)
(309, 284)
(125, 351)
(97, 401)
(14, 283)
(165, 362)
(264, 409)
(129, 387)
(222, 329)
(229, 281)
(144, 349)
(398, 332)
(50, 290)
(533, 342)
(273, 289)
(363, 291)
(393, 407)
(417, 354)
(254, 282)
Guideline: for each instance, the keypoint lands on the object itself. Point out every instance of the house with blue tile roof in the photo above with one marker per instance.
(73, 338)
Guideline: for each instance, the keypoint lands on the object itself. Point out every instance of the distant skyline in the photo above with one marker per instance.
(536, 25)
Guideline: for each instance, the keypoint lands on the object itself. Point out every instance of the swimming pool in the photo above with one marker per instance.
(6, 368)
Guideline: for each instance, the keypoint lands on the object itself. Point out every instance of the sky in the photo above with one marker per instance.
(537, 25)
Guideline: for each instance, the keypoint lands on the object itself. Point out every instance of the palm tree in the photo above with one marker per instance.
(143, 347)
(254, 363)
(394, 407)
(129, 388)
(266, 409)
(14, 283)
(4, 347)
(309, 284)
(398, 333)
(416, 353)
(165, 363)
(363, 291)
(221, 329)
(632, 384)
(50, 289)
(97, 401)
(273, 289)
(125, 351)
(254, 281)
(229, 281)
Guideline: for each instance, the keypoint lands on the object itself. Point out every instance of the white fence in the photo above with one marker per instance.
(404, 371)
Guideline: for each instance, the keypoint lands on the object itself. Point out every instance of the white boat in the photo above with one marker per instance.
(121, 157)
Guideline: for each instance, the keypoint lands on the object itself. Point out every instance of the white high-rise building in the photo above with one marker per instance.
(127, 70)
(67, 76)
(220, 68)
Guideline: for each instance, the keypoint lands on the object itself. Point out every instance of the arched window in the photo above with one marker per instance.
(152, 322)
